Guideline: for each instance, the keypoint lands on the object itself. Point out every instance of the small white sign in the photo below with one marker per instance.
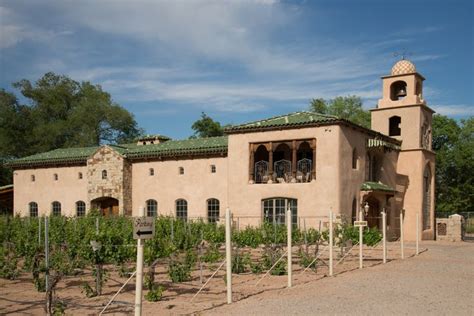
(360, 223)
(143, 227)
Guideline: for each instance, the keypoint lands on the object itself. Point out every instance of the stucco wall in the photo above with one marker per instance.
(315, 198)
(67, 190)
(413, 164)
(196, 185)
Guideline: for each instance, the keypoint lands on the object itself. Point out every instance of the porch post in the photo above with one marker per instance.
(270, 162)
(313, 167)
(293, 160)
(252, 164)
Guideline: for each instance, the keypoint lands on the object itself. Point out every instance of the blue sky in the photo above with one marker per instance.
(167, 61)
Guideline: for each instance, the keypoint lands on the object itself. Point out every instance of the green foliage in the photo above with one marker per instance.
(212, 254)
(206, 127)
(179, 272)
(155, 293)
(307, 260)
(453, 143)
(270, 257)
(349, 108)
(8, 264)
(88, 291)
(240, 263)
(60, 113)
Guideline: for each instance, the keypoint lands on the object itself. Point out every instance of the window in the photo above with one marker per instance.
(33, 209)
(213, 168)
(104, 174)
(355, 159)
(151, 208)
(56, 208)
(33, 178)
(274, 210)
(80, 208)
(213, 209)
(427, 198)
(151, 172)
(55, 177)
(79, 175)
(182, 209)
(181, 170)
(394, 126)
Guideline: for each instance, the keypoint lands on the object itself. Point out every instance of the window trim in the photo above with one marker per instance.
(79, 205)
(183, 205)
(30, 209)
(213, 210)
(151, 203)
(55, 207)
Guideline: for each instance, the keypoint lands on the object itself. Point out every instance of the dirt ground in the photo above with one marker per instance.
(439, 280)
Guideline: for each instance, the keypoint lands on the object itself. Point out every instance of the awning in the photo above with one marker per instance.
(376, 186)
(378, 143)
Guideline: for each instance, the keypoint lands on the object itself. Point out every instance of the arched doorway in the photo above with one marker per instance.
(107, 206)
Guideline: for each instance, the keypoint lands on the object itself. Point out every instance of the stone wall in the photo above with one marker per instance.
(117, 183)
(450, 229)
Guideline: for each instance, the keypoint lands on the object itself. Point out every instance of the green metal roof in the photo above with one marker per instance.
(376, 186)
(180, 147)
(211, 145)
(288, 120)
(62, 155)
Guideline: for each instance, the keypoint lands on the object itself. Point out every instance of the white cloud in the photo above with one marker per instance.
(184, 37)
(455, 109)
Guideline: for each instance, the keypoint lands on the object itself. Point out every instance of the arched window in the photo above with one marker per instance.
(104, 174)
(151, 172)
(151, 208)
(427, 198)
(394, 126)
(56, 208)
(80, 208)
(398, 90)
(79, 175)
(213, 209)
(33, 178)
(181, 170)
(33, 209)
(274, 210)
(213, 168)
(182, 209)
(355, 159)
(55, 177)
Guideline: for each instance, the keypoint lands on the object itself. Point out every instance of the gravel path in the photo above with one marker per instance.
(439, 281)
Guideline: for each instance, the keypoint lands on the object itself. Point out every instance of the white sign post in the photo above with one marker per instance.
(228, 254)
(143, 228)
(289, 245)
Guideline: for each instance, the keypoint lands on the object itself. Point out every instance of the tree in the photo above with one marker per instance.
(454, 147)
(61, 113)
(207, 127)
(349, 108)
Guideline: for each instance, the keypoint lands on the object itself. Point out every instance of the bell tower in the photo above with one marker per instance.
(402, 113)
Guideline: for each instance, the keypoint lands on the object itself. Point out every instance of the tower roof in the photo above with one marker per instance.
(402, 67)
